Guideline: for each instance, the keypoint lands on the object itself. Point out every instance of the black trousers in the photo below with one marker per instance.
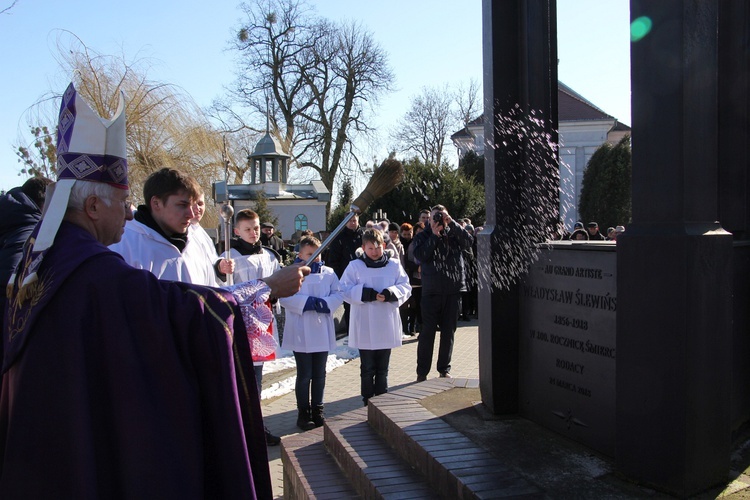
(311, 372)
(374, 372)
(439, 311)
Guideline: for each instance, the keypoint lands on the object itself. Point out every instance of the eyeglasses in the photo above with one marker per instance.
(127, 202)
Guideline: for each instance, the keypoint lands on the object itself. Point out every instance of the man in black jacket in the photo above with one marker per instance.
(594, 233)
(439, 249)
(21, 208)
(269, 239)
(342, 251)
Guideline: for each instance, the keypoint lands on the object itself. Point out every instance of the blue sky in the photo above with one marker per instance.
(429, 42)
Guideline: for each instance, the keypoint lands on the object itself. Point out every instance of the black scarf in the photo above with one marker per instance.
(381, 262)
(245, 248)
(143, 215)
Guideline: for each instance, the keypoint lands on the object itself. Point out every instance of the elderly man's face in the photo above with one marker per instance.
(113, 217)
(268, 231)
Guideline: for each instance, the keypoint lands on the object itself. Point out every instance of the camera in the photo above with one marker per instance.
(438, 217)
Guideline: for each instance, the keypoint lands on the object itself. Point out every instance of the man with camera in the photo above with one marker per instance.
(439, 249)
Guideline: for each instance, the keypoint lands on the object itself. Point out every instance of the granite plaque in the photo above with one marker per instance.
(568, 354)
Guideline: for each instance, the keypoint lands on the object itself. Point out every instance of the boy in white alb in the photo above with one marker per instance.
(375, 284)
(309, 332)
(158, 238)
(196, 231)
(252, 261)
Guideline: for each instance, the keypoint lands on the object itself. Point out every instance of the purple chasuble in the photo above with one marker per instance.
(119, 385)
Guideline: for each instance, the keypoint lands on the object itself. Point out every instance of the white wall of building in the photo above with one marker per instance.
(578, 142)
(287, 210)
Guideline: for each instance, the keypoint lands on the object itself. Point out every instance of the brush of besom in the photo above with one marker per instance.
(383, 180)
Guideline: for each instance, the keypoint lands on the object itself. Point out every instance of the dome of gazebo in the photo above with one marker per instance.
(268, 146)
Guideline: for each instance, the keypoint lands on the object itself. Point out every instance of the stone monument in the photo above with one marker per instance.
(682, 348)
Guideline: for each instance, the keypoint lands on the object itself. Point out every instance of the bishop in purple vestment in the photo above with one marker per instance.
(116, 384)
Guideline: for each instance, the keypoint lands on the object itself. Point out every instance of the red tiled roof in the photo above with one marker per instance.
(571, 106)
(464, 132)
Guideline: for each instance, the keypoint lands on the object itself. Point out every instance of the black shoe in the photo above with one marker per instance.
(318, 418)
(304, 420)
(445, 375)
(421, 378)
(272, 440)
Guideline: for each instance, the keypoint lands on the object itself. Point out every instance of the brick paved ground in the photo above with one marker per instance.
(342, 388)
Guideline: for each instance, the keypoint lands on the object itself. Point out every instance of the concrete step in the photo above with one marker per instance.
(309, 471)
(396, 449)
(453, 464)
(372, 467)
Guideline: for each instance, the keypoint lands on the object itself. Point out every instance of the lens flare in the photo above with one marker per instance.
(639, 28)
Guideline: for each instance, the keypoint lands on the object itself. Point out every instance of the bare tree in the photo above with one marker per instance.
(6, 10)
(432, 116)
(39, 157)
(165, 128)
(426, 125)
(318, 80)
(468, 102)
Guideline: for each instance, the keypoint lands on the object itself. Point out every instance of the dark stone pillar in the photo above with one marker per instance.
(674, 261)
(520, 78)
(734, 183)
(734, 117)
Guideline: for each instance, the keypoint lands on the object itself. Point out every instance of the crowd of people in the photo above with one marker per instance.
(132, 368)
(592, 233)
(400, 280)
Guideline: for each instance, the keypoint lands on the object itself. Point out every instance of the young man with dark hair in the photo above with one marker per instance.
(157, 239)
(36, 189)
(424, 216)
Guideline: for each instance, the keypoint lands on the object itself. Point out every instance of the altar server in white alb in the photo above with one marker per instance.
(250, 257)
(310, 333)
(198, 234)
(375, 284)
(252, 261)
(157, 239)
